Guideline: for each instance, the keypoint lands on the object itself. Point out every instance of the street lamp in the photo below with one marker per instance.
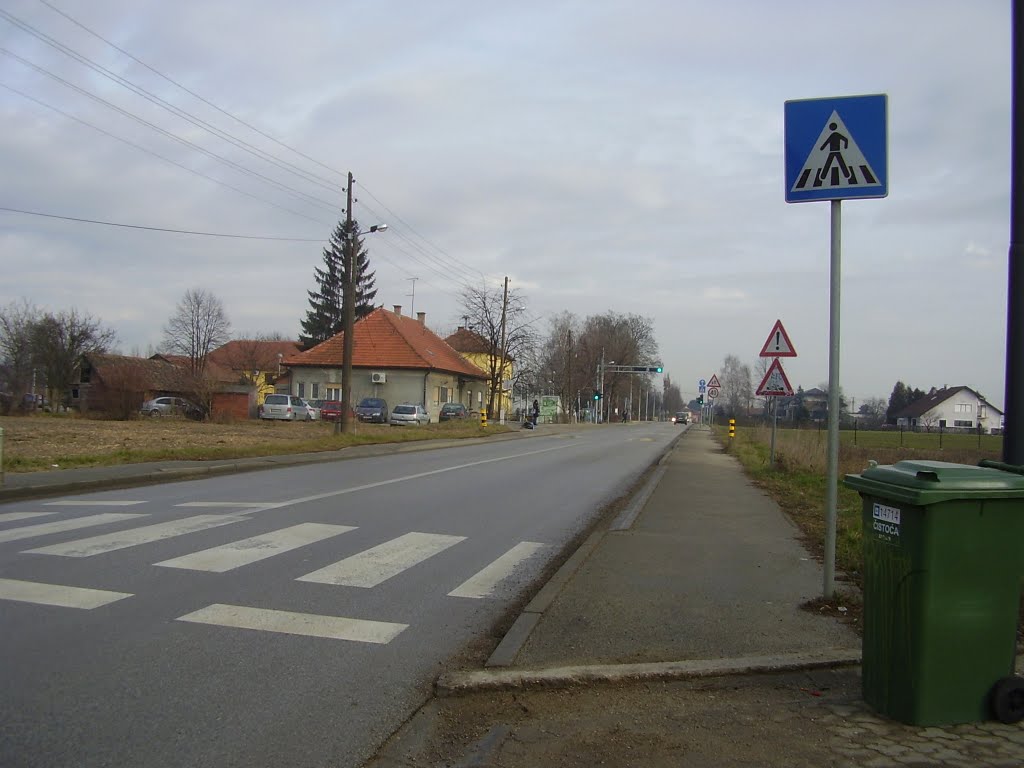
(349, 319)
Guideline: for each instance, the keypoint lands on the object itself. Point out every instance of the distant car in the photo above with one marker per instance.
(682, 417)
(372, 409)
(314, 411)
(330, 410)
(172, 406)
(452, 411)
(409, 414)
(285, 407)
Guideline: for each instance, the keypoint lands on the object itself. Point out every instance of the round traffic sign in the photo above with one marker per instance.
(713, 393)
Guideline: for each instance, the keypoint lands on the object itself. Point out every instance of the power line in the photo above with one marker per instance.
(452, 259)
(158, 155)
(154, 99)
(161, 229)
(448, 262)
(169, 134)
(190, 92)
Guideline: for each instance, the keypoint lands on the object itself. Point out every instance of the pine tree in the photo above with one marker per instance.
(325, 316)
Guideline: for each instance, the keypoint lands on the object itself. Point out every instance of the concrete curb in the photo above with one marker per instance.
(475, 681)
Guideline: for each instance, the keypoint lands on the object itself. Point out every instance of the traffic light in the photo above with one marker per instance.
(700, 399)
(659, 369)
(597, 396)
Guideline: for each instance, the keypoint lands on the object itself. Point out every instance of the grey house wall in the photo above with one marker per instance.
(401, 386)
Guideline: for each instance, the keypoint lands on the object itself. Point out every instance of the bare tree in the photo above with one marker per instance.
(197, 327)
(624, 339)
(17, 325)
(59, 341)
(738, 391)
(503, 324)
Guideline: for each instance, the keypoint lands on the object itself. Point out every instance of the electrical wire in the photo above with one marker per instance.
(192, 93)
(157, 155)
(168, 134)
(162, 229)
(154, 99)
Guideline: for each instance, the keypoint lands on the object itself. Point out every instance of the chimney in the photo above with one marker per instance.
(398, 309)
(462, 328)
(422, 317)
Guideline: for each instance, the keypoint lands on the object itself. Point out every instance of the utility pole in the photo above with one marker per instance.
(348, 315)
(501, 365)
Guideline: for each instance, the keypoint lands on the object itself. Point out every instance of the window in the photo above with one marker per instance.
(443, 395)
(302, 389)
(316, 390)
(963, 408)
(963, 423)
(333, 392)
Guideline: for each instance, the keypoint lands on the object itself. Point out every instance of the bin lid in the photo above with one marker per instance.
(932, 482)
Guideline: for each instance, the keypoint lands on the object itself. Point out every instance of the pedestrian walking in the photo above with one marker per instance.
(536, 412)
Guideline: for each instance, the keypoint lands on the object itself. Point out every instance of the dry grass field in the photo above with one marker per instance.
(33, 443)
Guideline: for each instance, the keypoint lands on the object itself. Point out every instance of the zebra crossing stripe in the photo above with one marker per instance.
(92, 503)
(380, 563)
(252, 550)
(61, 526)
(289, 623)
(485, 583)
(10, 517)
(133, 537)
(55, 594)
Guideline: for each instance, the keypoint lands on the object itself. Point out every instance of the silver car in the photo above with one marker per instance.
(285, 407)
(409, 414)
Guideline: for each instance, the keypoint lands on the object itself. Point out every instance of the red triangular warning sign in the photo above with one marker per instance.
(714, 383)
(778, 343)
(774, 382)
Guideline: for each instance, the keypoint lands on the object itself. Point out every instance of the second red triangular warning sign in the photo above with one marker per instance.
(778, 343)
(774, 382)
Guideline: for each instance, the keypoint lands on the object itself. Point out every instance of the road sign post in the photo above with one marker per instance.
(835, 149)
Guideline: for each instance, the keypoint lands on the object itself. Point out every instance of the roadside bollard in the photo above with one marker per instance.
(732, 428)
(483, 417)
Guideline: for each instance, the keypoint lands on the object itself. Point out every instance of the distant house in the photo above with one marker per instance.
(477, 350)
(118, 384)
(257, 362)
(951, 408)
(813, 401)
(394, 357)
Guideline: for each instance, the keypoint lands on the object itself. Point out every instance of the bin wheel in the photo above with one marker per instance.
(1008, 699)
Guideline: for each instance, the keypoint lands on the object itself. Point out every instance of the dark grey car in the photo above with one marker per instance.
(372, 409)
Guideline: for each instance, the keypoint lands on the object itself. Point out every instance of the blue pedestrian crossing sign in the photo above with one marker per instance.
(837, 148)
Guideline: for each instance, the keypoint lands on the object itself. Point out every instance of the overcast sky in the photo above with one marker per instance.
(606, 155)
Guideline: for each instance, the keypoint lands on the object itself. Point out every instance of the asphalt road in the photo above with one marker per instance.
(293, 617)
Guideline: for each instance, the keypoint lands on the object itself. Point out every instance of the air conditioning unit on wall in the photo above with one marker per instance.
(378, 377)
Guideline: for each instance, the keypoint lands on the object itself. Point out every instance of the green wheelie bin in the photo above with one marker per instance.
(943, 566)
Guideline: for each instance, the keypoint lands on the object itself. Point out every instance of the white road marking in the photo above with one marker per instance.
(227, 504)
(246, 551)
(133, 537)
(286, 622)
(484, 583)
(10, 517)
(55, 594)
(407, 478)
(96, 503)
(60, 526)
(380, 563)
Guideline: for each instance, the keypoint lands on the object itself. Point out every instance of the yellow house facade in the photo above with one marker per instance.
(477, 350)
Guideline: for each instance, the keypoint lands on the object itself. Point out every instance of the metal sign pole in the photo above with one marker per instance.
(775, 426)
(833, 404)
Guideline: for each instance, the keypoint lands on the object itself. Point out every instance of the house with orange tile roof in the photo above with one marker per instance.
(394, 357)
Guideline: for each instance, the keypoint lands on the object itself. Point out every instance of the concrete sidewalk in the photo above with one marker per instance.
(675, 637)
